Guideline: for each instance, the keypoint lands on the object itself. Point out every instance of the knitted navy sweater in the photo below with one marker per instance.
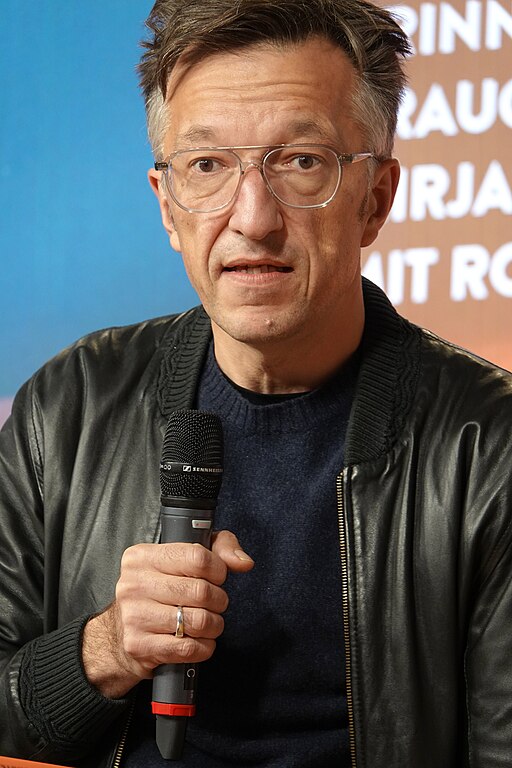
(273, 694)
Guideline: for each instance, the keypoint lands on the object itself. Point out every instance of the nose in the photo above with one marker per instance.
(255, 212)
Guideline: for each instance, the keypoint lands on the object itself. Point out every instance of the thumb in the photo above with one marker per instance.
(226, 545)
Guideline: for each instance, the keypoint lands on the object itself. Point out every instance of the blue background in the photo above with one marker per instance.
(81, 242)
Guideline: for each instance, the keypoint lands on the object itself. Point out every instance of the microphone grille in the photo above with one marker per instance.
(192, 439)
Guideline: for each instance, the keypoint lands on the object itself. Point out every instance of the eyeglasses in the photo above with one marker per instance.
(207, 179)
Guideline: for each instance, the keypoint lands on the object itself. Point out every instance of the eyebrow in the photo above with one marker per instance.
(197, 135)
(310, 128)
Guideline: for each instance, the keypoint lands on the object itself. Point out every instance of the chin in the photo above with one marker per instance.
(256, 326)
(263, 331)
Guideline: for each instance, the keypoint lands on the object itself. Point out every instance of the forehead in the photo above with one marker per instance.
(263, 94)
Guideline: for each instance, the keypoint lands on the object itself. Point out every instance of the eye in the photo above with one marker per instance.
(206, 165)
(305, 162)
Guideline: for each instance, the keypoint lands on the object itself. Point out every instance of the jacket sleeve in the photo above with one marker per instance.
(47, 708)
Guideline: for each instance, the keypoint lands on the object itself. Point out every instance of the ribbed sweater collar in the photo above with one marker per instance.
(298, 414)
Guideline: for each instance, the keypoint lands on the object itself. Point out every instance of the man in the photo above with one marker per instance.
(366, 461)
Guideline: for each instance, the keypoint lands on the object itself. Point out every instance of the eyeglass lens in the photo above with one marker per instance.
(302, 176)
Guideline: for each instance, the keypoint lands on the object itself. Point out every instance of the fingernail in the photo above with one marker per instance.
(242, 556)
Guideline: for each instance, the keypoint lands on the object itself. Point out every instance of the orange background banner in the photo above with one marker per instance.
(14, 762)
(445, 255)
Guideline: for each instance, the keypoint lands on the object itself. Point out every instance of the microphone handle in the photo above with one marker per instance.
(175, 685)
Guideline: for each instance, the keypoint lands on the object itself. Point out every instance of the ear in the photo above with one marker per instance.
(380, 199)
(157, 185)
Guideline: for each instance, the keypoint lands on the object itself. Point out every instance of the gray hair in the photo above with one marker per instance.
(191, 30)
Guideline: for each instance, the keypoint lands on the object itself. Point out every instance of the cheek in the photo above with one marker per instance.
(195, 246)
(184, 238)
(196, 232)
(337, 247)
(194, 263)
(198, 236)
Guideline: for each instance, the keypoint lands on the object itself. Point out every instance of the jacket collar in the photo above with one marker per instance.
(387, 381)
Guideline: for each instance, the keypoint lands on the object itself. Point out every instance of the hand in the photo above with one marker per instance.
(135, 634)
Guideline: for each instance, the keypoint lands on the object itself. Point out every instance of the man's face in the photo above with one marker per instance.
(266, 272)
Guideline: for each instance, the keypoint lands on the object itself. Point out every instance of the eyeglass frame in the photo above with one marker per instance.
(343, 159)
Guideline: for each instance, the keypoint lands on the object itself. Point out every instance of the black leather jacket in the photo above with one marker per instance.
(425, 538)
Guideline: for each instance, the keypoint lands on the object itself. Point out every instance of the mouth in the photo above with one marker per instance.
(257, 269)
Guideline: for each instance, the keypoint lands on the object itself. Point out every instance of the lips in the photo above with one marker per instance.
(257, 269)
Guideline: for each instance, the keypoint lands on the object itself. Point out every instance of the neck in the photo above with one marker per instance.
(286, 366)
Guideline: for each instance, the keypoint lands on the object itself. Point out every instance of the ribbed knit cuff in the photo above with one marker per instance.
(56, 696)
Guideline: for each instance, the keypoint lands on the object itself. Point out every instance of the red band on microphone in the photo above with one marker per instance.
(182, 710)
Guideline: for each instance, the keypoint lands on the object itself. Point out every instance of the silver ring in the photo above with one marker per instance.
(180, 622)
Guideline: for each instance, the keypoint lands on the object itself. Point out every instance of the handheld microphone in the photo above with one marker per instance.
(190, 478)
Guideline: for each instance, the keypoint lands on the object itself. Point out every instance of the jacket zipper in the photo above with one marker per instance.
(346, 633)
(122, 741)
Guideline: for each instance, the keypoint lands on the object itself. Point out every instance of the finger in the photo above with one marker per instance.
(150, 650)
(176, 559)
(227, 547)
(160, 619)
(191, 650)
(154, 587)
(198, 623)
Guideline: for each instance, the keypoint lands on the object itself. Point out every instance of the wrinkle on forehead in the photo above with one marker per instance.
(245, 53)
(301, 92)
(198, 135)
(249, 57)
